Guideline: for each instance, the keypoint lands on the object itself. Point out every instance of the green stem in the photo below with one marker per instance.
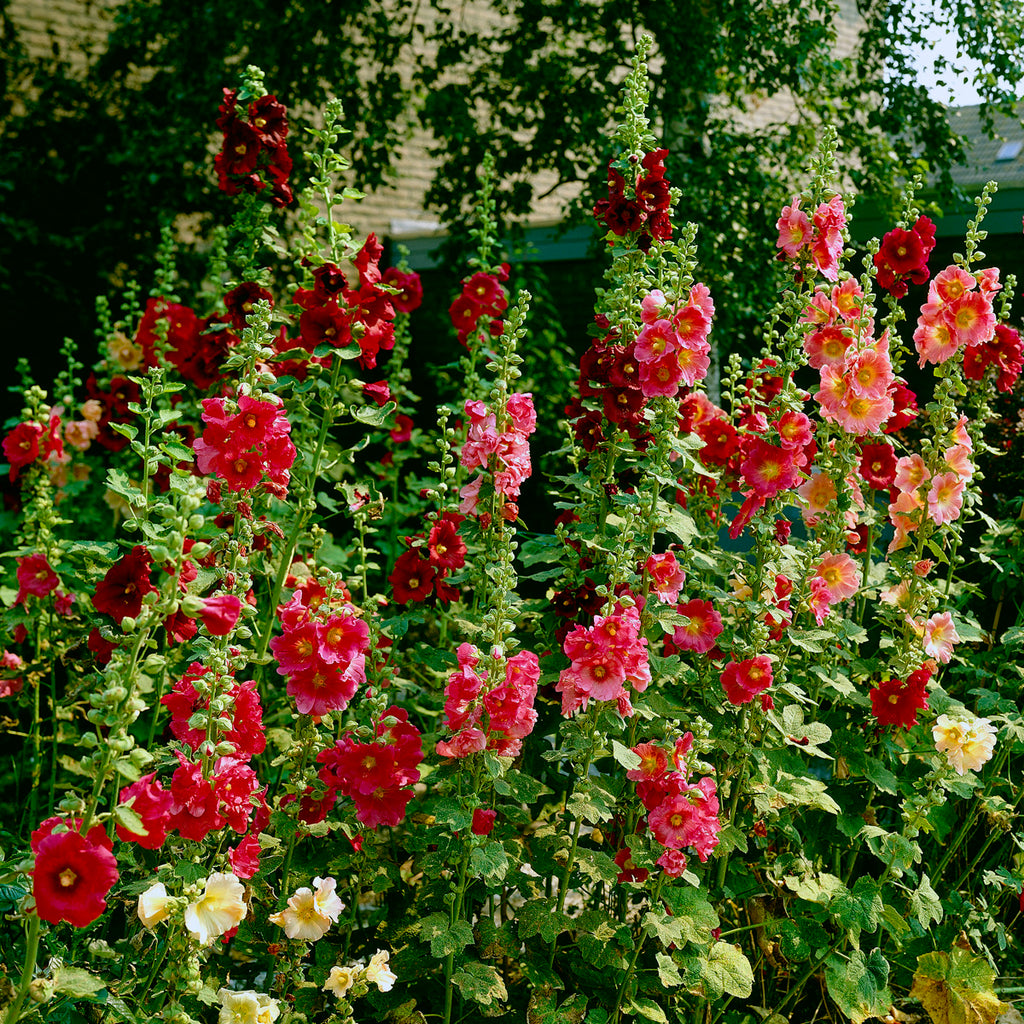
(449, 963)
(636, 956)
(31, 952)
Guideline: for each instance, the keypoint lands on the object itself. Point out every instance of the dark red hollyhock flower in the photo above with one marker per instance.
(101, 648)
(126, 583)
(587, 430)
(446, 549)
(1003, 351)
(412, 579)
(21, 446)
(327, 324)
(878, 465)
(328, 283)
(71, 878)
(483, 821)
(269, 120)
(904, 255)
(410, 289)
(242, 300)
(904, 403)
(896, 703)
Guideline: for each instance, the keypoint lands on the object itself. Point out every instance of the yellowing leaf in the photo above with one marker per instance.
(956, 988)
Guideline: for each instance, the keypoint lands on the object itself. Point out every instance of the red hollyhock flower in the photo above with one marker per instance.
(152, 803)
(220, 613)
(628, 871)
(71, 879)
(446, 548)
(35, 577)
(412, 578)
(904, 254)
(21, 446)
(410, 293)
(378, 392)
(1003, 351)
(125, 584)
(878, 465)
(245, 857)
(321, 687)
(896, 703)
(744, 680)
(195, 811)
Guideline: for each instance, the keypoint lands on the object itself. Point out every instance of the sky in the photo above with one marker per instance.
(954, 93)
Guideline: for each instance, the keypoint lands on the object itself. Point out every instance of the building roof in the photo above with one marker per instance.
(999, 159)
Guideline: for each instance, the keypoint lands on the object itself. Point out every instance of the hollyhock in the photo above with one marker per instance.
(35, 577)
(656, 340)
(653, 762)
(126, 583)
(195, 811)
(445, 548)
(378, 973)
(827, 242)
(220, 613)
(154, 905)
(245, 857)
(966, 741)
(794, 227)
(896, 703)
(628, 871)
(408, 287)
(21, 447)
(483, 821)
(945, 497)
(310, 915)
(412, 578)
(704, 627)
(152, 803)
(688, 817)
(246, 1007)
(71, 878)
(340, 980)
(970, 319)
(767, 470)
(878, 464)
(221, 908)
(742, 681)
(841, 576)
(903, 255)
(672, 862)
(666, 576)
(1004, 350)
(818, 491)
(235, 784)
(940, 635)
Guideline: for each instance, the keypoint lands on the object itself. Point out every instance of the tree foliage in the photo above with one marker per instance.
(101, 153)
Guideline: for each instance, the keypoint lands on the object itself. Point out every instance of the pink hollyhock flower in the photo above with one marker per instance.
(653, 762)
(863, 414)
(688, 818)
(654, 306)
(958, 458)
(827, 346)
(971, 319)
(704, 627)
(692, 326)
(672, 862)
(819, 491)
(911, 473)
(71, 878)
(767, 470)
(951, 285)
(744, 680)
(35, 577)
(463, 743)
(897, 703)
(152, 803)
(934, 341)
(945, 498)
(666, 576)
(522, 413)
(656, 340)
(794, 228)
(220, 613)
(795, 430)
(827, 243)
(939, 637)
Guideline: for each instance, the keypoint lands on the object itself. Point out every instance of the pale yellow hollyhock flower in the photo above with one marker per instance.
(377, 973)
(309, 915)
(246, 1008)
(340, 980)
(220, 909)
(154, 905)
(124, 351)
(967, 743)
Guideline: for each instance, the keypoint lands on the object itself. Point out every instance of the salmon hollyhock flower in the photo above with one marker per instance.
(966, 741)
(819, 491)
(744, 680)
(221, 908)
(687, 815)
(71, 878)
(945, 498)
(794, 228)
(666, 576)
(653, 762)
(911, 473)
(840, 574)
(940, 635)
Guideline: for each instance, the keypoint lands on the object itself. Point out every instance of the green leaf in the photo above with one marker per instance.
(372, 415)
(591, 802)
(695, 916)
(130, 819)
(925, 903)
(489, 861)
(859, 985)
(74, 982)
(722, 969)
(544, 1008)
(877, 773)
(668, 973)
(956, 988)
(647, 1008)
(451, 813)
(480, 983)
(626, 757)
(539, 917)
(177, 451)
(858, 909)
(822, 888)
(444, 937)
(681, 525)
